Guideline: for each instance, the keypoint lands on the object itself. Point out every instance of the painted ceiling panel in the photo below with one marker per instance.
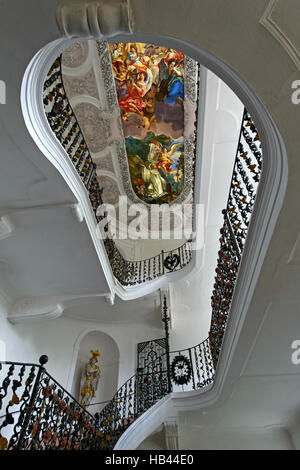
(149, 82)
(136, 104)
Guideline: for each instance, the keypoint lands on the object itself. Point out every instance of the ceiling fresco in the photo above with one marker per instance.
(146, 152)
(149, 83)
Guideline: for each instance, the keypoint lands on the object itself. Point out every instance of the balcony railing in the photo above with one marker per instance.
(130, 273)
(66, 128)
(192, 368)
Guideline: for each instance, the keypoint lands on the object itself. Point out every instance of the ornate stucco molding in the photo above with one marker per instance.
(273, 20)
(171, 435)
(190, 79)
(94, 18)
(7, 226)
(32, 308)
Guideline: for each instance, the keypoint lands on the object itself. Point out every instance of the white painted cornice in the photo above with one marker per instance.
(5, 301)
(11, 225)
(78, 212)
(7, 226)
(93, 18)
(29, 309)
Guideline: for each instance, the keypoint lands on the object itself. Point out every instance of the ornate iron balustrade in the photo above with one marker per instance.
(66, 128)
(137, 272)
(192, 368)
(237, 215)
(41, 415)
(131, 400)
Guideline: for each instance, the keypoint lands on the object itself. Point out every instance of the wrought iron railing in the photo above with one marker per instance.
(192, 368)
(40, 414)
(66, 128)
(138, 272)
(237, 215)
(131, 400)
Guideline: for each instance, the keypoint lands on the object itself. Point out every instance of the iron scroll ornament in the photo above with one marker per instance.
(172, 261)
(181, 370)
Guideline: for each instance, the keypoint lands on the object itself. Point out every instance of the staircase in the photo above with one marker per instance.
(39, 414)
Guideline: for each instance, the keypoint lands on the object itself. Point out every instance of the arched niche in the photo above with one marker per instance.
(108, 363)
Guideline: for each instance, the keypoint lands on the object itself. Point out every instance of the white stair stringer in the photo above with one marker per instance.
(164, 410)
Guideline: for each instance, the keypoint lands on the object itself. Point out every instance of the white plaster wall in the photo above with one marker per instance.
(239, 438)
(156, 441)
(191, 299)
(27, 342)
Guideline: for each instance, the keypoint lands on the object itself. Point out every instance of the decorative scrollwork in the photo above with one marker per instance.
(49, 418)
(190, 83)
(181, 370)
(171, 261)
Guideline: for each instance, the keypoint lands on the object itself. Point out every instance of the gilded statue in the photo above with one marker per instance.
(89, 379)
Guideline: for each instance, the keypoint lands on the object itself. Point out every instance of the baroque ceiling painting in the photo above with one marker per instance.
(150, 87)
(136, 105)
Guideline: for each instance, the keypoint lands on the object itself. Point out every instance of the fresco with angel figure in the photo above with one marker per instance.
(149, 83)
